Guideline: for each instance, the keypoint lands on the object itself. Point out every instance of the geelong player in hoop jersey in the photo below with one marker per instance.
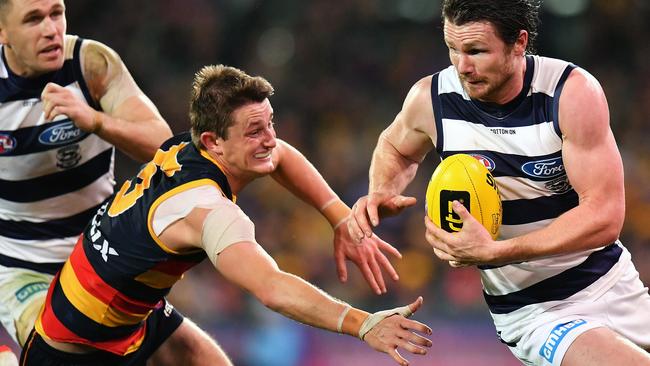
(560, 286)
(107, 306)
(65, 104)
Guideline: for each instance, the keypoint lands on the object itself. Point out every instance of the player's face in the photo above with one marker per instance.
(485, 64)
(251, 139)
(32, 32)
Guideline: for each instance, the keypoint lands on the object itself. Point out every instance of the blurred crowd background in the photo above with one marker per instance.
(341, 70)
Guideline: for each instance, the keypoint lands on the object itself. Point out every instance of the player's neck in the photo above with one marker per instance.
(15, 66)
(235, 181)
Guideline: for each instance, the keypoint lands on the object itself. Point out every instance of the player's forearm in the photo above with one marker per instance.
(587, 226)
(300, 177)
(137, 139)
(297, 299)
(389, 170)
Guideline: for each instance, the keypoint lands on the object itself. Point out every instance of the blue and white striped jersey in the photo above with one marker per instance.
(53, 176)
(521, 144)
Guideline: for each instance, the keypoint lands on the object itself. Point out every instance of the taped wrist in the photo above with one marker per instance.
(374, 319)
(336, 211)
(350, 320)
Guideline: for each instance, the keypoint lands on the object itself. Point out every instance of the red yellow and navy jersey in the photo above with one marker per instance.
(119, 271)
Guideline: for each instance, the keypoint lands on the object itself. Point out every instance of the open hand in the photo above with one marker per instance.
(392, 329)
(368, 256)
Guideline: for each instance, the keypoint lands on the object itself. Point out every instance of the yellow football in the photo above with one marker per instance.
(464, 178)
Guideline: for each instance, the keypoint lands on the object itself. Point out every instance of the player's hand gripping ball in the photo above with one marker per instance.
(463, 178)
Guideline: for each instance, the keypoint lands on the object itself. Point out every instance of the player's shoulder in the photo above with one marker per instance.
(99, 63)
(423, 85)
(95, 51)
(420, 92)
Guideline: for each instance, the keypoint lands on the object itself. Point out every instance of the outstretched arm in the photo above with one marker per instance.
(228, 237)
(128, 119)
(301, 178)
(250, 267)
(400, 149)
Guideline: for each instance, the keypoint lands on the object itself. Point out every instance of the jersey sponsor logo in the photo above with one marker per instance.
(556, 336)
(30, 289)
(61, 133)
(95, 235)
(105, 250)
(168, 309)
(487, 162)
(547, 168)
(503, 131)
(7, 143)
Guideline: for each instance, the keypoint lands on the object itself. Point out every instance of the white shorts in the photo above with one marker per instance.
(22, 292)
(624, 308)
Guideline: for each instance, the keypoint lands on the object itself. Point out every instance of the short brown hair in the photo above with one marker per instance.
(507, 16)
(217, 91)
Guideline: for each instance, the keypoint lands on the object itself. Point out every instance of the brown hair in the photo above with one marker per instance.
(217, 91)
(507, 16)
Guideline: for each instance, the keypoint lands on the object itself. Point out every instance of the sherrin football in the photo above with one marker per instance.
(463, 178)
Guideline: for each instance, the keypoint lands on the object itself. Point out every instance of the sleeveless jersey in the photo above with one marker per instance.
(521, 144)
(119, 271)
(53, 176)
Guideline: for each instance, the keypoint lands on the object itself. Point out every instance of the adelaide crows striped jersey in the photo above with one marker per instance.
(521, 144)
(119, 271)
(53, 176)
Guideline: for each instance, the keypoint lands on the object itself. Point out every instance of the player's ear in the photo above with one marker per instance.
(521, 43)
(211, 142)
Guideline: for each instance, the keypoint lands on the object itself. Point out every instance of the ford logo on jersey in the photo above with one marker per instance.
(556, 336)
(7, 143)
(61, 133)
(489, 163)
(547, 168)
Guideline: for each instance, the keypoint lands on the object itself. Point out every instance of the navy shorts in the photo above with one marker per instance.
(161, 323)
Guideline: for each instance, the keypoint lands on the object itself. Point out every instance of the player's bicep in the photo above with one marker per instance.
(223, 227)
(591, 157)
(413, 131)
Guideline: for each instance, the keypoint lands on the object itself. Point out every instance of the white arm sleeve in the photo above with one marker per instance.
(227, 224)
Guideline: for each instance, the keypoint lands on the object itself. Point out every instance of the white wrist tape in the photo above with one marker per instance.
(339, 324)
(377, 317)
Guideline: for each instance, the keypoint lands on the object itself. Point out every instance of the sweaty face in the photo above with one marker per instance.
(32, 32)
(485, 64)
(251, 140)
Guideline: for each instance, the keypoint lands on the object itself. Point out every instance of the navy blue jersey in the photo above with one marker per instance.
(120, 270)
(521, 144)
(53, 176)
